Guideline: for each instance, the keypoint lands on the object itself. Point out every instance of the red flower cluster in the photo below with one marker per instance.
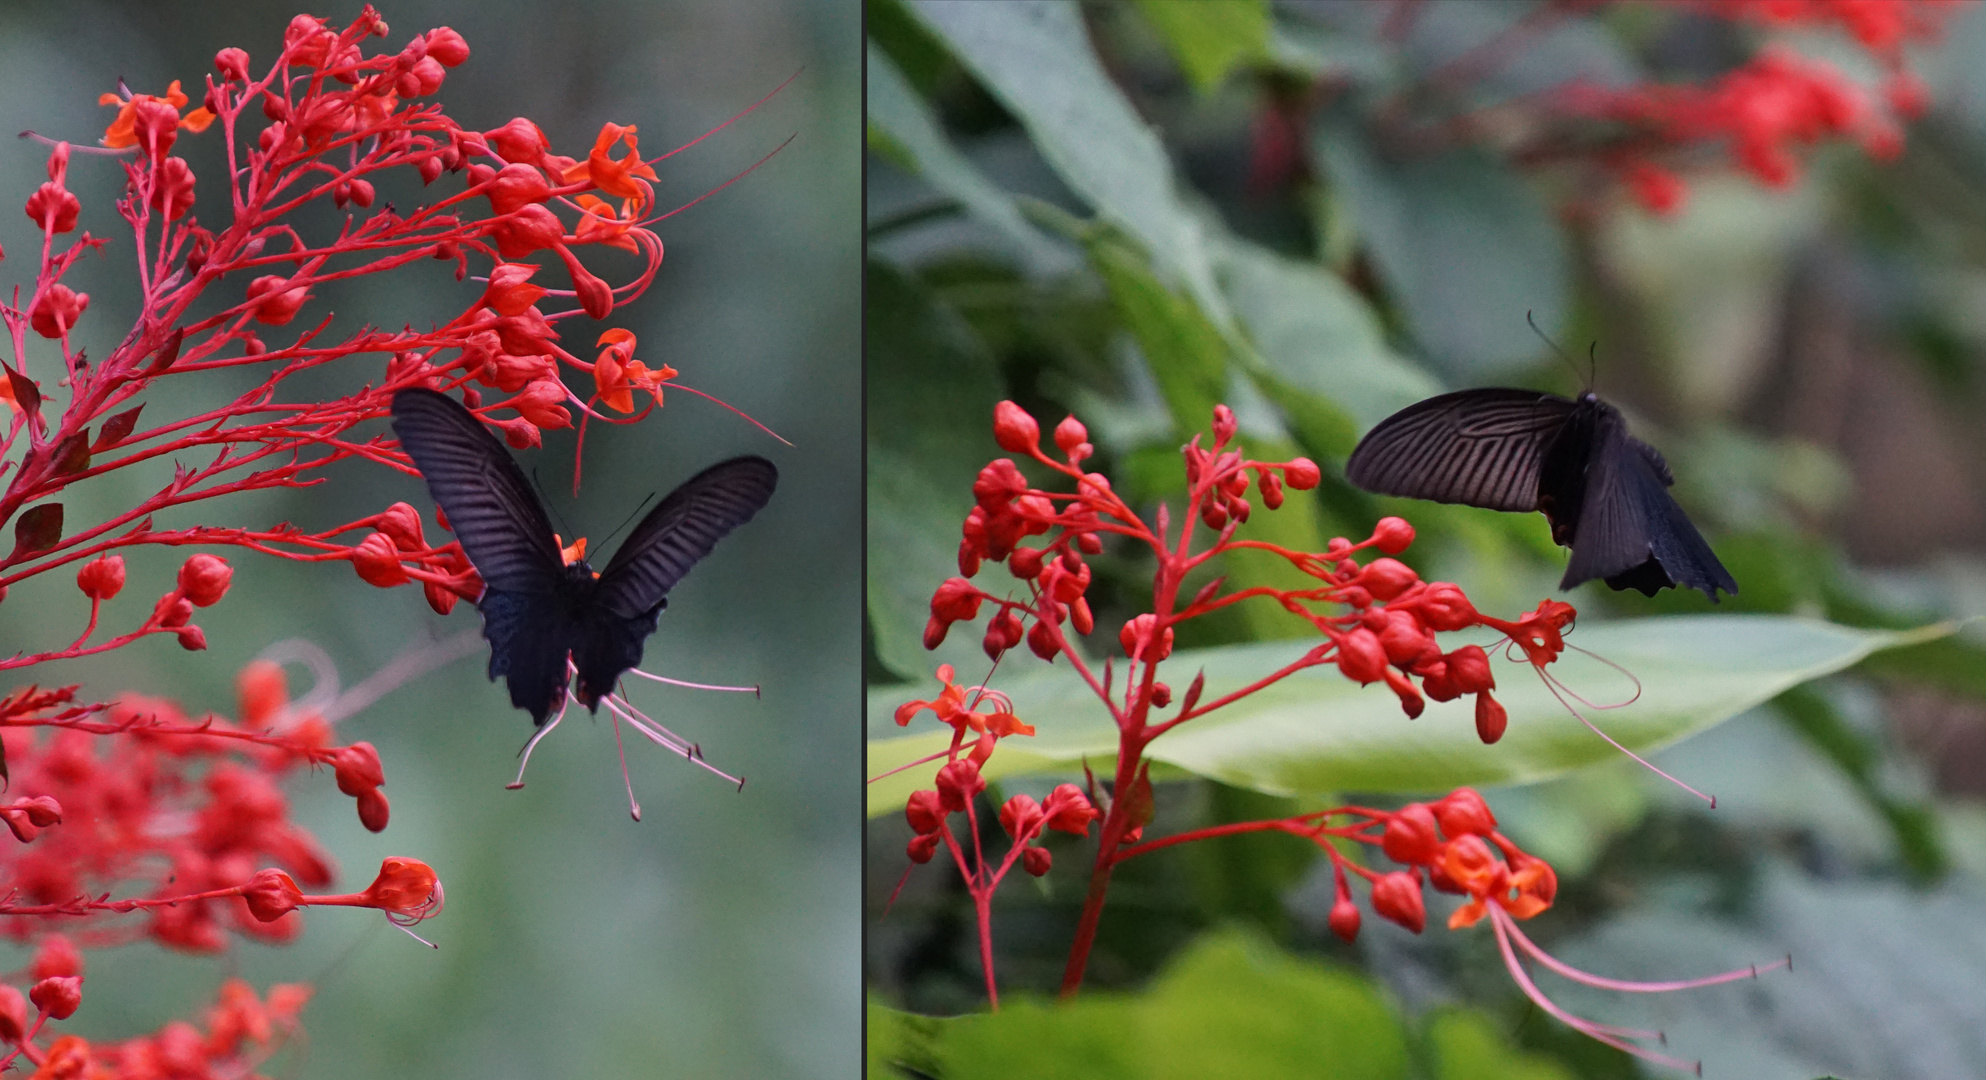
(1387, 636)
(242, 1030)
(1451, 840)
(135, 791)
(321, 126)
(1763, 111)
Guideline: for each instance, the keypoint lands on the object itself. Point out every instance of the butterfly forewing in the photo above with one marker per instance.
(682, 530)
(490, 505)
(1476, 447)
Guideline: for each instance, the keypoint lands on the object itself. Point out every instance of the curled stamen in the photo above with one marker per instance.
(1636, 696)
(533, 744)
(663, 737)
(1532, 950)
(1552, 684)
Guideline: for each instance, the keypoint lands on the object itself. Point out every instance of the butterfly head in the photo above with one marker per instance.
(574, 555)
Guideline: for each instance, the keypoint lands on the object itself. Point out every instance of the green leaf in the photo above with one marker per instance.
(1228, 1005)
(1035, 57)
(1464, 1046)
(1183, 348)
(914, 137)
(1317, 732)
(1210, 38)
(1325, 360)
(930, 387)
(1463, 242)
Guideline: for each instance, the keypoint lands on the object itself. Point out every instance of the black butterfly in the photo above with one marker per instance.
(536, 608)
(1603, 490)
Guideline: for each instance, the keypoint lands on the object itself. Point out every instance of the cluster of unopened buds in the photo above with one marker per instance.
(1388, 635)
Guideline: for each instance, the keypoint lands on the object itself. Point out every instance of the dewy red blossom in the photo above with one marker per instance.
(1377, 621)
(130, 819)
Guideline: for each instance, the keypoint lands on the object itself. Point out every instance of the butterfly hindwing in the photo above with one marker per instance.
(633, 588)
(490, 506)
(1477, 447)
(529, 638)
(1631, 533)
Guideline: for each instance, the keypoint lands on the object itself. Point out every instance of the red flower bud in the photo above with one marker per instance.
(1042, 641)
(1361, 657)
(935, 630)
(374, 811)
(274, 301)
(1387, 578)
(1491, 718)
(956, 600)
(1446, 608)
(1140, 630)
(1464, 812)
(1069, 810)
(377, 561)
(1397, 897)
(1403, 639)
(357, 768)
(403, 524)
(102, 577)
(1021, 815)
(924, 812)
(958, 782)
(1302, 474)
(232, 63)
(1410, 837)
(271, 894)
(1469, 668)
(1392, 535)
(41, 811)
(1036, 860)
(923, 847)
(56, 312)
(1025, 563)
(172, 610)
(1225, 425)
(405, 887)
(203, 579)
(59, 996)
(1014, 429)
(1345, 918)
(543, 403)
(440, 597)
(515, 187)
(447, 47)
(519, 141)
(1071, 436)
(192, 638)
(54, 208)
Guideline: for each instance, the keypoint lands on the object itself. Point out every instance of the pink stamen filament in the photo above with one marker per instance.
(1618, 1038)
(1553, 685)
(752, 690)
(533, 744)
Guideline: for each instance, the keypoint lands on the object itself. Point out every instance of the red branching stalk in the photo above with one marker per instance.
(324, 124)
(1377, 621)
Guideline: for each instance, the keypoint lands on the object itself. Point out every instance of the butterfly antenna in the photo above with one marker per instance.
(624, 524)
(1542, 336)
(564, 528)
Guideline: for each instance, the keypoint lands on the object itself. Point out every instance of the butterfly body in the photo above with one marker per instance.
(539, 610)
(1604, 491)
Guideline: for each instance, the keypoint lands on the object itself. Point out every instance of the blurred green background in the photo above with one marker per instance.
(719, 936)
(1131, 210)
